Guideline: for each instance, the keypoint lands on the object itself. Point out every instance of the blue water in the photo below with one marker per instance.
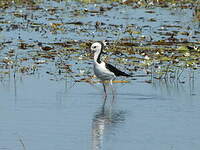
(63, 115)
(53, 112)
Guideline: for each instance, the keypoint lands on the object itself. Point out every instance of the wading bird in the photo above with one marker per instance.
(102, 70)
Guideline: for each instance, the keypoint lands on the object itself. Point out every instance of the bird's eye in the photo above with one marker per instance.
(94, 47)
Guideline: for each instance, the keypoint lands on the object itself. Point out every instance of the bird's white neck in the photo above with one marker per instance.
(97, 56)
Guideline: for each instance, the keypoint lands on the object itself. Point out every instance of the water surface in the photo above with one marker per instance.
(44, 108)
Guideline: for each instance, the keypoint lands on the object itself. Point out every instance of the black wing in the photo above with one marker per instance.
(116, 71)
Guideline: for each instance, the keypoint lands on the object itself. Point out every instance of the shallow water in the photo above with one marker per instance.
(46, 114)
(43, 109)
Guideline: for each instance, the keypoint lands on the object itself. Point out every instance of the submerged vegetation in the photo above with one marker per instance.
(153, 39)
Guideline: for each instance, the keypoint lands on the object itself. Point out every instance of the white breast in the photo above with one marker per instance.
(102, 72)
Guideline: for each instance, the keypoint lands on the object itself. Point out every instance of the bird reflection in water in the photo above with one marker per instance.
(104, 123)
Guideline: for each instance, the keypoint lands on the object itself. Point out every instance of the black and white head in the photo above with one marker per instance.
(98, 46)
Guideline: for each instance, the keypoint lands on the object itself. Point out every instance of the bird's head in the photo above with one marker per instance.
(98, 46)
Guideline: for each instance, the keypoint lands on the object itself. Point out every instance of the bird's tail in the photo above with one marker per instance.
(125, 74)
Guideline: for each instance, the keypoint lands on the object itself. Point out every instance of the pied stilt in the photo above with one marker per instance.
(102, 70)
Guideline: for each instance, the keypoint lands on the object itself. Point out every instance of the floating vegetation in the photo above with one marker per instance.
(55, 37)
